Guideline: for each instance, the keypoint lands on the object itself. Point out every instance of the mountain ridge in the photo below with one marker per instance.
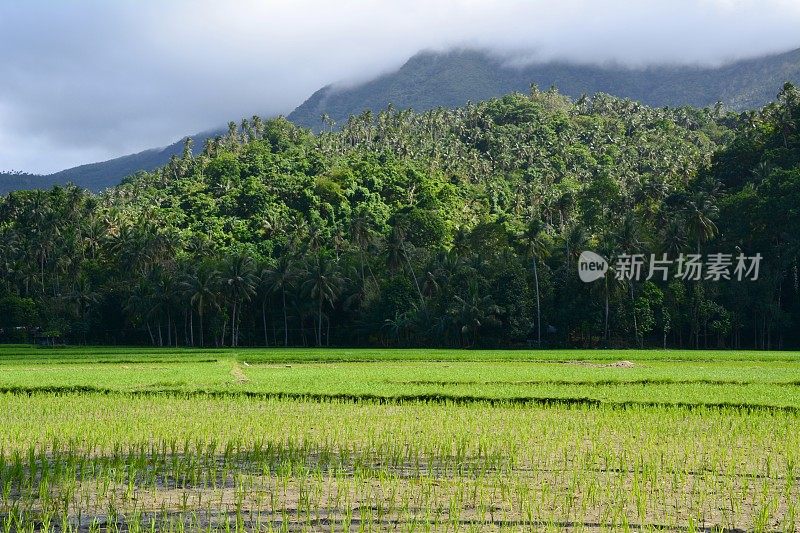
(451, 79)
(427, 80)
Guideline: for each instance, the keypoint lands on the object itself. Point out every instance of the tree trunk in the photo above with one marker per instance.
(413, 274)
(538, 306)
(633, 312)
(264, 320)
(361, 256)
(200, 315)
(233, 326)
(319, 324)
(285, 321)
(607, 333)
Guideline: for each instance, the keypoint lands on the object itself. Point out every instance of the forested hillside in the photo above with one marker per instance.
(447, 228)
(16, 180)
(451, 79)
(96, 176)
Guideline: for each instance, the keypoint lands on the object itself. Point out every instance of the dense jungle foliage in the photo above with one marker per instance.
(448, 228)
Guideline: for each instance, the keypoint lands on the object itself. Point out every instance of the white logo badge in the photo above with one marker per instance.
(591, 266)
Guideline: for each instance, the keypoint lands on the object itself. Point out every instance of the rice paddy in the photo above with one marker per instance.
(137, 440)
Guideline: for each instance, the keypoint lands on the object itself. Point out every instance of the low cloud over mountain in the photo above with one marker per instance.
(89, 80)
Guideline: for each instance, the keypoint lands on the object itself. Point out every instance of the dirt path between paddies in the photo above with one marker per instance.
(238, 374)
(615, 364)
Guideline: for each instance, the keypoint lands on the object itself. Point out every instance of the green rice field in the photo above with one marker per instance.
(116, 439)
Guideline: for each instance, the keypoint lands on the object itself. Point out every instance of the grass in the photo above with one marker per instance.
(26, 353)
(641, 377)
(261, 440)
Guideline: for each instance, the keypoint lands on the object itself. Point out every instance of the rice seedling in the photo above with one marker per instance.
(89, 462)
(156, 443)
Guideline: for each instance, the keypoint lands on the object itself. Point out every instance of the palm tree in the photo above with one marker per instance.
(82, 297)
(699, 213)
(168, 292)
(787, 98)
(9, 250)
(139, 305)
(202, 289)
(323, 284)
(398, 326)
(239, 281)
(398, 251)
(627, 239)
(536, 244)
(673, 237)
(363, 237)
(328, 122)
(257, 124)
(264, 291)
(94, 232)
(232, 137)
(280, 278)
(474, 311)
(607, 249)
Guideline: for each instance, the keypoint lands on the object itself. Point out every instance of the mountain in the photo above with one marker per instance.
(451, 79)
(99, 176)
(16, 180)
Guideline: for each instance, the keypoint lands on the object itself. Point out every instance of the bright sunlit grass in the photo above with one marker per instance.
(257, 440)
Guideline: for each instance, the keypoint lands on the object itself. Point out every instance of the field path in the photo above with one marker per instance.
(238, 373)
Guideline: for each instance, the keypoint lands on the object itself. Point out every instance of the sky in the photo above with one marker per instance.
(88, 80)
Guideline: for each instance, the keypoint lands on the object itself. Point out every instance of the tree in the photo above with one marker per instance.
(202, 288)
(398, 251)
(700, 211)
(239, 284)
(473, 311)
(363, 237)
(409, 209)
(628, 240)
(323, 284)
(280, 278)
(536, 244)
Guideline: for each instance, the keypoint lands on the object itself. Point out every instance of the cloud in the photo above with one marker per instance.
(88, 80)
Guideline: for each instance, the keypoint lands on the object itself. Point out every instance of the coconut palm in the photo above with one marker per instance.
(398, 251)
(673, 237)
(280, 278)
(363, 237)
(202, 289)
(700, 211)
(323, 284)
(473, 312)
(239, 283)
(536, 244)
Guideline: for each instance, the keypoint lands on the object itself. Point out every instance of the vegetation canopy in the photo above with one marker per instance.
(450, 228)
